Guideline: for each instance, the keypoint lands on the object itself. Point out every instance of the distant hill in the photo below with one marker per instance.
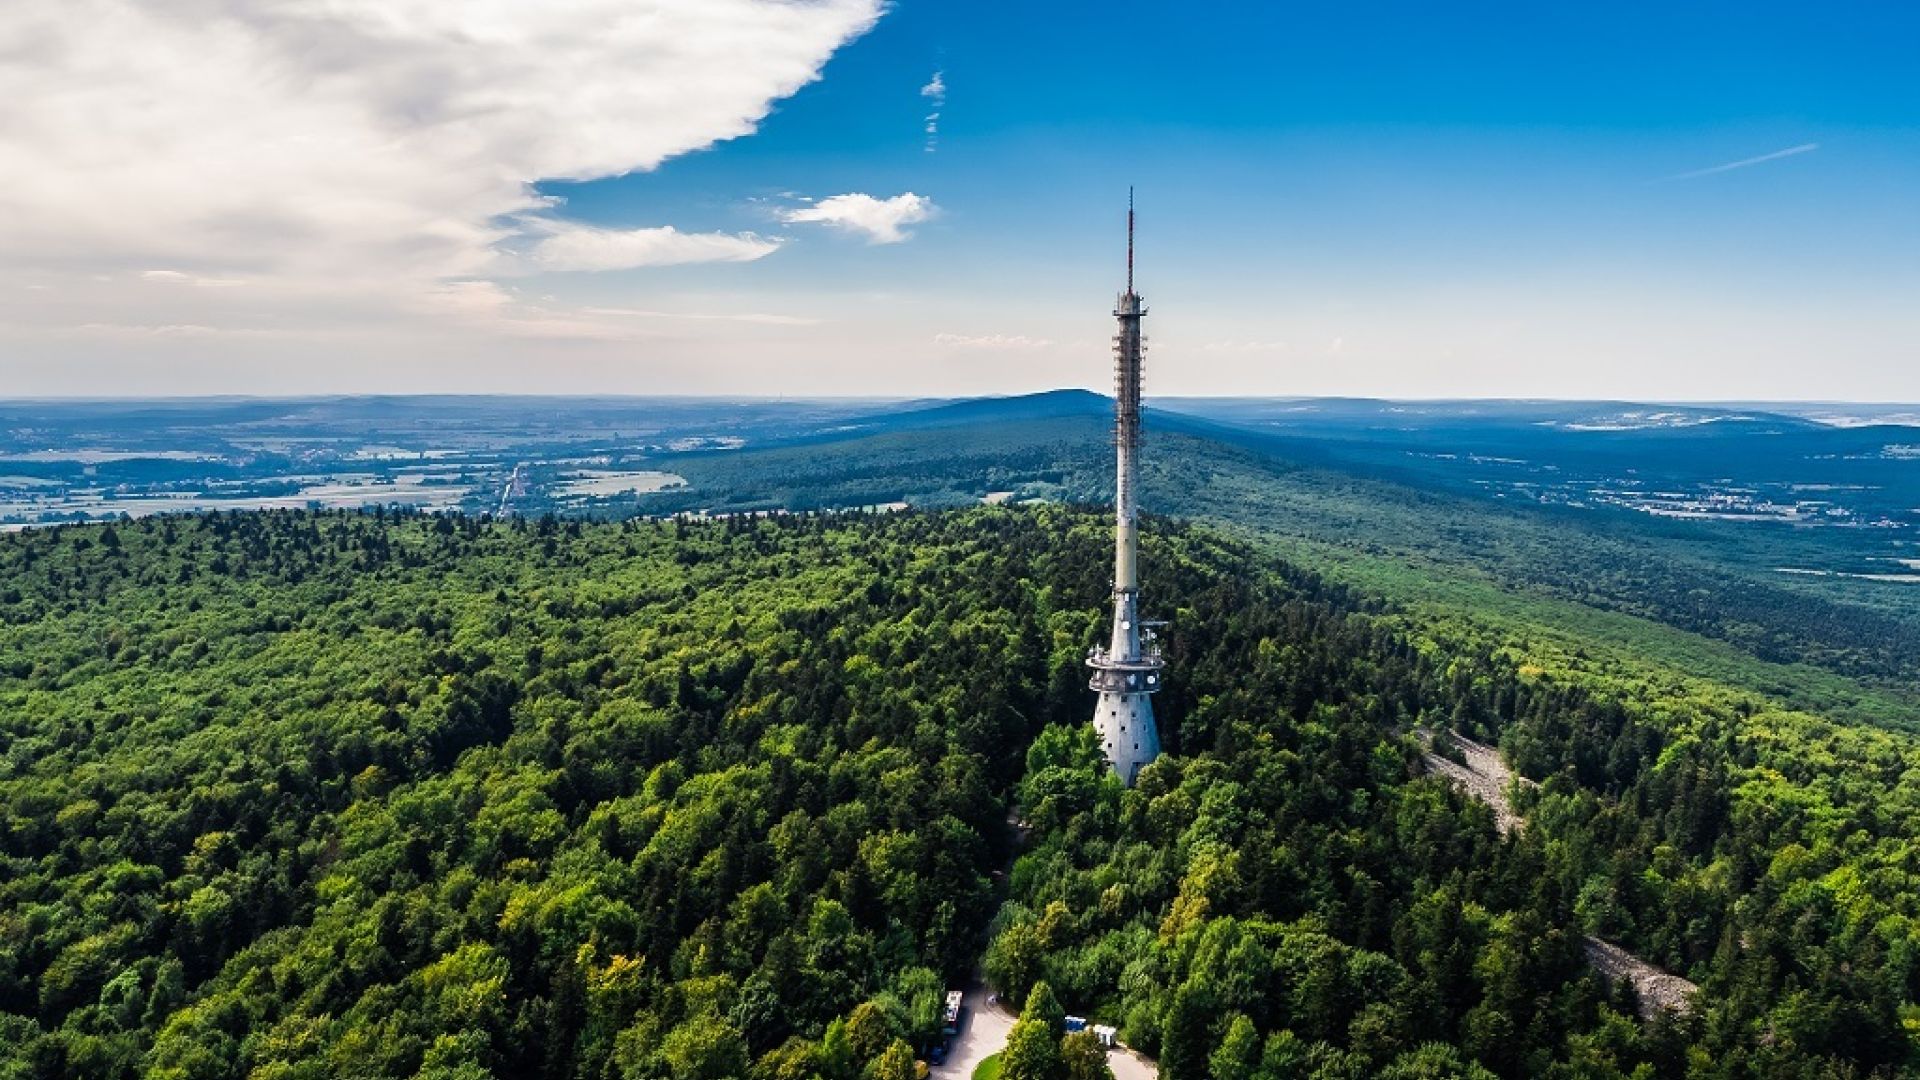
(1042, 406)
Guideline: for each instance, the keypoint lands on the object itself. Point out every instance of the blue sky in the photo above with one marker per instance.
(1386, 199)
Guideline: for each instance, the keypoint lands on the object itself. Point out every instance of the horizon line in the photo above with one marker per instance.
(103, 399)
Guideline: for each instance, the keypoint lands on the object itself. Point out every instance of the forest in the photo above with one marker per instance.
(318, 794)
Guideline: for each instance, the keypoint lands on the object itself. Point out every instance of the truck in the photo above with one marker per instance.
(951, 1022)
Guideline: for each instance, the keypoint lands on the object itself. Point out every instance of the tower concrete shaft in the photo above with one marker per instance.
(1127, 672)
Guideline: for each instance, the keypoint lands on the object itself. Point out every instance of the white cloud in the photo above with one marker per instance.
(342, 154)
(882, 221)
(991, 341)
(582, 247)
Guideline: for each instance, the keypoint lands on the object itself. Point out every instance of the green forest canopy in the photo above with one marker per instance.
(331, 794)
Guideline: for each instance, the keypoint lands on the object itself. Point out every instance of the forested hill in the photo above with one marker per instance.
(1395, 530)
(329, 794)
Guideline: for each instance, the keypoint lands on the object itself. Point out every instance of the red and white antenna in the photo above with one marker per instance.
(1129, 237)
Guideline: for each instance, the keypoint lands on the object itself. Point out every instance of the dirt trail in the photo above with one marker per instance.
(1486, 777)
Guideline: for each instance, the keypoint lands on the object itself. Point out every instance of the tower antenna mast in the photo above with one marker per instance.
(1126, 672)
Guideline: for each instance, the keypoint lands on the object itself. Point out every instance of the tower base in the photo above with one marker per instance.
(1127, 732)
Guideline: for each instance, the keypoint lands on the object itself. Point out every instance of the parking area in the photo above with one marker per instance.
(983, 1033)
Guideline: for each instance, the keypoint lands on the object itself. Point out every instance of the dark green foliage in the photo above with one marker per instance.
(309, 794)
(1285, 898)
(371, 795)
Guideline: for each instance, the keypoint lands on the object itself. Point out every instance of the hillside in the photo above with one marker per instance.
(1701, 595)
(358, 795)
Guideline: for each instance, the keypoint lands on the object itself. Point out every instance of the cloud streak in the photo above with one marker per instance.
(936, 92)
(991, 341)
(1743, 163)
(759, 318)
(180, 277)
(567, 246)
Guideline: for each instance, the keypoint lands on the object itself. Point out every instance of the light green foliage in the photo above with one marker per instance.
(1032, 1053)
(1238, 1054)
(1042, 1007)
(1433, 1061)
(893, 1063)
(1083, 1058)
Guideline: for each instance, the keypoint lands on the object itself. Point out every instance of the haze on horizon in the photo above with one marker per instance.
(743, 197)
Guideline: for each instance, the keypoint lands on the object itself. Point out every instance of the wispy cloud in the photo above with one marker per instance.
(991, 341)
(881, 221)
(181, 277)
(504, 311)
(145, 331)
(1791, 151)
(760, 317)
(1237, 346)
(936, 92)
(569, 246)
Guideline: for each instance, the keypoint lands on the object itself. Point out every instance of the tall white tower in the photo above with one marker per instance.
(1127, 672)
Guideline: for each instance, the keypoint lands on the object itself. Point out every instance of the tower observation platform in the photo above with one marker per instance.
(1126, 672)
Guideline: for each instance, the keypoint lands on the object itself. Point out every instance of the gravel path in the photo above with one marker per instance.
(1486, 777)
(1659, 991)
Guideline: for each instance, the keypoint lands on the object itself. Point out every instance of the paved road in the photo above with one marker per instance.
(982, 1035)
(1127, 1065)
(985, 1034)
